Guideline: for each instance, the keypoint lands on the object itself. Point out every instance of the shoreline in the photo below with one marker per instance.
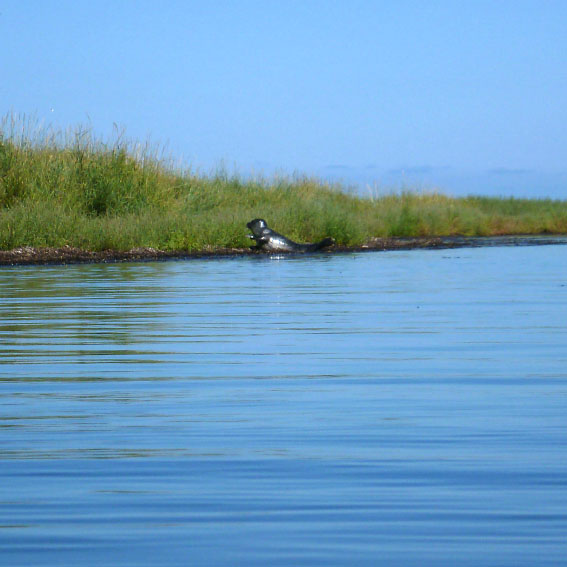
(68, 255)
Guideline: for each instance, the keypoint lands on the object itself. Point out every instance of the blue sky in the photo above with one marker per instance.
(468, 96)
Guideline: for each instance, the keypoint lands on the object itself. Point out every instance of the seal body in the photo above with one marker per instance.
(268, 239)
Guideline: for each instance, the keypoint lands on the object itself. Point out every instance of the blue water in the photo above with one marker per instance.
(396, 408)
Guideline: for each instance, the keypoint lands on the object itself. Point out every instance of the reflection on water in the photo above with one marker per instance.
(374, 409)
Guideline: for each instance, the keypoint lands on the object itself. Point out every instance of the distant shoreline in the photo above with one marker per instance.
(27, 256)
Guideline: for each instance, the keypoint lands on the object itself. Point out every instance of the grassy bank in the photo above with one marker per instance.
(70, 189)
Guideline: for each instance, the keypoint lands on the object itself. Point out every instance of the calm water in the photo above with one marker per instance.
(399, 408)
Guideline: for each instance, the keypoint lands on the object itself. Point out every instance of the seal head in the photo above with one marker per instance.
(268, 239)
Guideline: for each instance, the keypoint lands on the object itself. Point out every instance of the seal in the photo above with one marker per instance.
(268, 239)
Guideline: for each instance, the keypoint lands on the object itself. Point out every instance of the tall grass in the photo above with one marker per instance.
(69, 188)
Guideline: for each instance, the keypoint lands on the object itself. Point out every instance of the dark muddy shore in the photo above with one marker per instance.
(69, 255)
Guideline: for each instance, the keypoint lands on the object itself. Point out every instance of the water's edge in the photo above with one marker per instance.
(70, 255)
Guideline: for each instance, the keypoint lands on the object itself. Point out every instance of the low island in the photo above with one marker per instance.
(70, 198)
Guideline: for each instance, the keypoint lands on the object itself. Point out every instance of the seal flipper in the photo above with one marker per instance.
(325, 243)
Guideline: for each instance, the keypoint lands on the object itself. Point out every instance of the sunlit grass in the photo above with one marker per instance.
(68, 188)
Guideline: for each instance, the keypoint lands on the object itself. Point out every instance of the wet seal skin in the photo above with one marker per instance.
(269, 240)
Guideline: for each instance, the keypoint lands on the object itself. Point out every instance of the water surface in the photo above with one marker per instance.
(397, 408)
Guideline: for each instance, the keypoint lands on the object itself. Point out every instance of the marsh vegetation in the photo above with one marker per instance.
(70, 188)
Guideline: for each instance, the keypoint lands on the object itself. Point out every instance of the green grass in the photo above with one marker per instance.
(68, 188)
